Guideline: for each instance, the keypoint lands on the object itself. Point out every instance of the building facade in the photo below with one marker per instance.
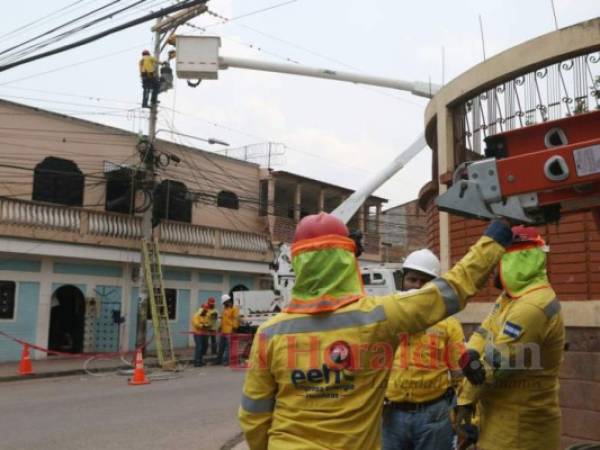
(72, 197)
(71, 202)
(403, 230)
(286, 197)
(554, 76)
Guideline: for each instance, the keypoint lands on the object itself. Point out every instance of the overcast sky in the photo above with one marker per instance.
(336, 132)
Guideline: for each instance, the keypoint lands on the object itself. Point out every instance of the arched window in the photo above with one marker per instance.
(172, 202)
(227, 199)
(120, 190)
(58, 180)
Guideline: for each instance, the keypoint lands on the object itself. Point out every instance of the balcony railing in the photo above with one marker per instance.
(113, 225)
(549, 92)
(16, 212)
(116, 227)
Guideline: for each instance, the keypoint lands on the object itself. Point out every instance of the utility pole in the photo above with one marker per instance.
(160, 29)
(147, 231)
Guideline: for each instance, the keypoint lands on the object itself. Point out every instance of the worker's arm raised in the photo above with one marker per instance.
(447, 295)
(258, 397)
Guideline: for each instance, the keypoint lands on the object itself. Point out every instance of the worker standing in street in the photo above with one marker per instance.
(421, 388)
(148, 66)
(212, 324)
(230, 321)
(513, 358)
(318, 371)
(200, 337)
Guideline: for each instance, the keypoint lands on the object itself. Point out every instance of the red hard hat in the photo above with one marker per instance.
(146, 52)
(211, 301)
(320, 224)
(523, 234)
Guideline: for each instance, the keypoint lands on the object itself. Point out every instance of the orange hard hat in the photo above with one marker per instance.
(320, 224)
(522, 234)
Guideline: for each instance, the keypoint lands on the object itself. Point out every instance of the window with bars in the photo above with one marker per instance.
(7, 299)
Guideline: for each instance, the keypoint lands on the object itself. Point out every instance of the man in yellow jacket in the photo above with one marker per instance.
(148, 66)
(230, 321)
(513, 358)
(420, 390)
(199, 325)
(318, 371)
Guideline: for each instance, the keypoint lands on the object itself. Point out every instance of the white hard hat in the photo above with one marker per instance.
(225, 298)
(423, 261)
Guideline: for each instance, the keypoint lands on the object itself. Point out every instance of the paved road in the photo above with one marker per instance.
(195, 412)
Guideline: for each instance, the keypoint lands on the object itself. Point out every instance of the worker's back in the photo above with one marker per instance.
(326, 367)
(318, 371)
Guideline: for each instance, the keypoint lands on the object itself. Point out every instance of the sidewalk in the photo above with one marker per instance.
(59, 366)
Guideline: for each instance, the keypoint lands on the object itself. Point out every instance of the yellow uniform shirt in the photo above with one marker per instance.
(230, 319)
(521, 342)
(148, 65)
(426, 363)
(295, 398)
(199, 322)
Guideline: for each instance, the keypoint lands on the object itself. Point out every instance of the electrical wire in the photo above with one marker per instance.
(14, 47)
(95, 37)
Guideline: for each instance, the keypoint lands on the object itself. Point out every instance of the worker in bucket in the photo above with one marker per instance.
(513, 359)
(318, 371)
(421, 389)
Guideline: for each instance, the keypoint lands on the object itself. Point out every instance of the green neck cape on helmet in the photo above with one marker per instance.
(327, 275)
(523, 269)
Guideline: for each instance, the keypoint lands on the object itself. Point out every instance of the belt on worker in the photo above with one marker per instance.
(416, 407)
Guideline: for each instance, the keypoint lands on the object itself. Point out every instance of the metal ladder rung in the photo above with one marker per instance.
(158, 304)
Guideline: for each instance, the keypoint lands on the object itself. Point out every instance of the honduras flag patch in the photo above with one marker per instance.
(512, 329)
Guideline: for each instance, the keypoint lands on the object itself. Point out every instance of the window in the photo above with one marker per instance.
(171, 298)
(121, 185)
(7, 299)
(172, 202)
(58, 180)
(227, 199)
(263, 198)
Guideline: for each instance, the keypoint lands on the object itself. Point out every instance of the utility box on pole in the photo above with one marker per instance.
(198, 57)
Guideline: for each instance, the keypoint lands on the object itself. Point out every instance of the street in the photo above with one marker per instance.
(196, 411)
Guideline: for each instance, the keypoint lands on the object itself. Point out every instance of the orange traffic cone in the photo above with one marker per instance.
(25, 364)
(139, 377)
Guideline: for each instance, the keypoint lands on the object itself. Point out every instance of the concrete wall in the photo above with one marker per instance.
(109, 284)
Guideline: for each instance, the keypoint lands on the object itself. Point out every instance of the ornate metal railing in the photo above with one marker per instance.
(558, 90)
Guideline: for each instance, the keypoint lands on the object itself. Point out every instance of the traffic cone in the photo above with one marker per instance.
(139, 377)
(25, 364)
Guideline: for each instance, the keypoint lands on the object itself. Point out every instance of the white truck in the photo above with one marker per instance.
(257, 307)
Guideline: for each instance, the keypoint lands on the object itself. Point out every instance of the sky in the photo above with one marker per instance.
(340, 133)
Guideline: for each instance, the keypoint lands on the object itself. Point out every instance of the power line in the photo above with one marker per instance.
(252, 13)
(95, 37)
(41, 19)
(85, 61)
(14, 47)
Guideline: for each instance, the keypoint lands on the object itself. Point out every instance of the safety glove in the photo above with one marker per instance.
(472, 367)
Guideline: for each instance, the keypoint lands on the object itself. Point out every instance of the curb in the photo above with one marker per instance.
(71, 372)
(233, 442)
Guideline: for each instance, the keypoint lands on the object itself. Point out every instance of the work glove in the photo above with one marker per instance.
(472, 367)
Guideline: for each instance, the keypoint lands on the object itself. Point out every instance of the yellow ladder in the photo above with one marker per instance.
(158, 305)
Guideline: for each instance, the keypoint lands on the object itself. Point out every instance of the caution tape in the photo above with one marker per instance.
(73, 355)
(216, 333)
